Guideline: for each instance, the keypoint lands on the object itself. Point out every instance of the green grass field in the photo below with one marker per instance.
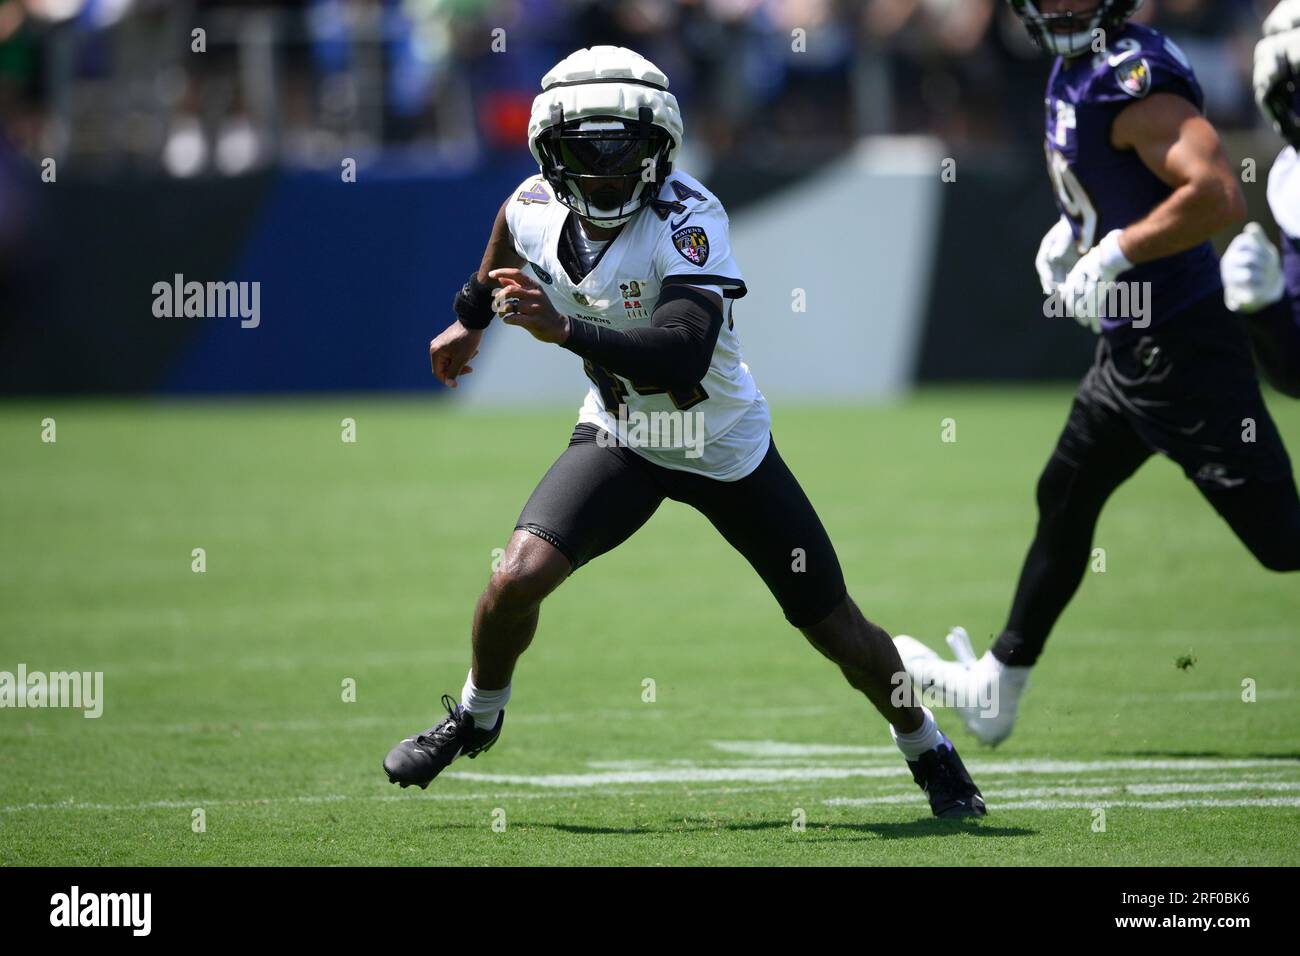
(328, 561)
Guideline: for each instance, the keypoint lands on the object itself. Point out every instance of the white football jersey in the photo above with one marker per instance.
(721, 428)
(1284, 191)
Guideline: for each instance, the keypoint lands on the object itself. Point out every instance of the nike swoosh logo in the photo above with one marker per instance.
(681, 222)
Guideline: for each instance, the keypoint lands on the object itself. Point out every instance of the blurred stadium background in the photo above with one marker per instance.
(226, 165)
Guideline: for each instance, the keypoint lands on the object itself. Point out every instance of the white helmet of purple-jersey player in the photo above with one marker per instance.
(1277, 70)
(1071, 33)
(1285, 16)
(605, 132)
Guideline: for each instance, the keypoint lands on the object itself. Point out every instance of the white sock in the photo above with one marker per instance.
(926, 737)
(484, 706)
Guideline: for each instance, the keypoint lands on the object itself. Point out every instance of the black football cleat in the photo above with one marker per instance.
(417, 760)
(943, 777)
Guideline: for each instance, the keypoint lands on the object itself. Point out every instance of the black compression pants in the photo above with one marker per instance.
(597, 495)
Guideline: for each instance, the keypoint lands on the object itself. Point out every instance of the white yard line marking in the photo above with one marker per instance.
(687, 775)
(1154, 789)
(778, 748)
(769, 774)
(1002, 798)
(1145, 804)
(1073, 766)
(783, 766)
(399, 724)
(234, 727)
(414, 796)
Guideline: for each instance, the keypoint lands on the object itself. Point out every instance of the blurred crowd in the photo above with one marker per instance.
(129, 83)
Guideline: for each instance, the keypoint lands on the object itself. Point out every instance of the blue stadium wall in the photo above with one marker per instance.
(356, 277)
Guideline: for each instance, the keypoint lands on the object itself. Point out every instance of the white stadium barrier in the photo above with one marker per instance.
(858, 239)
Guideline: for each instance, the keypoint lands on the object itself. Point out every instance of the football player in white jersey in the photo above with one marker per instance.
(622, 259)
(1260, 285)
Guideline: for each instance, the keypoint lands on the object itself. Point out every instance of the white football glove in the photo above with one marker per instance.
(1082, 291)
(1252, 272)
(1057, 254)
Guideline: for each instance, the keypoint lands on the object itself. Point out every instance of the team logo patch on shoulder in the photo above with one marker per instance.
(536, 192)
(1134, 77)
(693, 244)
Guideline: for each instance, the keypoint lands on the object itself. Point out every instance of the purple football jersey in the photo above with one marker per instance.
(1100, 188)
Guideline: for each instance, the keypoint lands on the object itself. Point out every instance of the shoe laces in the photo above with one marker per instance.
(448, 729)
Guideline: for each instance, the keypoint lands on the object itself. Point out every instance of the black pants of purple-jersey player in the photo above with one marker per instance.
(1187, 390)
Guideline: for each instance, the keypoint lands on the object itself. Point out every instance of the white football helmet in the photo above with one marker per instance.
(1285, 16)
(605, 131)
(1277, 70)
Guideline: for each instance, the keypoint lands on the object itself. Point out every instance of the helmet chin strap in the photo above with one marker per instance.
(608, 223)
(607, 218)
(1078, 43)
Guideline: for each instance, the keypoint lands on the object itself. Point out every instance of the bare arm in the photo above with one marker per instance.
(500, 252)
(1182, 149)
(450, 352)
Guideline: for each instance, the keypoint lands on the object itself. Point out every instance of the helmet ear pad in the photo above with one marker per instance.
(664, 153)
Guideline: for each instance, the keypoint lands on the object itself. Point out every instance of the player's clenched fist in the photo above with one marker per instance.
(451, 350)
(1088, 283)
(1057, 255)
(521, 301)
(1252, 272)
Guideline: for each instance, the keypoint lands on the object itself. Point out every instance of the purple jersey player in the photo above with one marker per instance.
(1101, 188)
(1142, 184)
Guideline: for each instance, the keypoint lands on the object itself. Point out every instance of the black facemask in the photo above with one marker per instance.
(603, 169)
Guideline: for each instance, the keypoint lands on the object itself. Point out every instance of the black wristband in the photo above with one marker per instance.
(473, 304)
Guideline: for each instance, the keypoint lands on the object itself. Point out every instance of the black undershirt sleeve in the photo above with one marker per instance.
(674, 351)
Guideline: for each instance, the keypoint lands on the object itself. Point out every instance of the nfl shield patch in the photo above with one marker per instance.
(1134, 78)
(693, 244)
